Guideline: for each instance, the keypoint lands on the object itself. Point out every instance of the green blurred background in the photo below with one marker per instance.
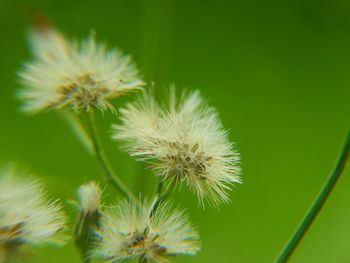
(278, 72)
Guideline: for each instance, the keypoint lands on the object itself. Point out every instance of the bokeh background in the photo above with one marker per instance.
(278, 72)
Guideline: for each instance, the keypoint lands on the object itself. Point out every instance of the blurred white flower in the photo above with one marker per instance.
(90, 197)
(185, 142)
(89, 218)
(132, 230)
(26, 215)
(77, 76)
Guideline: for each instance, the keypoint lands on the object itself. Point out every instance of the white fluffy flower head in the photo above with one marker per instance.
(26, 215)
(133, 230)
(77, 76)
(90, 197)
(184, 142)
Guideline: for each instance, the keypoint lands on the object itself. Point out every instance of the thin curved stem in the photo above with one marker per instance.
(317, 206)
(101, 157)
(159, 187)
(161, 195)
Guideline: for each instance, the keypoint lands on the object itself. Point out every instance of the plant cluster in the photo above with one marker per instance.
(181, 139)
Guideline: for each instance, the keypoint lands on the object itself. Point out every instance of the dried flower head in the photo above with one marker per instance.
(185, 142)
(132, 230)
(77, 76)
(89, 218)
(90, 197)
(26, 215)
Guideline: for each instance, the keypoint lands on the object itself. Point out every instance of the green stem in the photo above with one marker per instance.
(87, 260)
(101, 157)
(159, 187)
(160, 191)
(85, 227)
(317, 206)
(162, 196)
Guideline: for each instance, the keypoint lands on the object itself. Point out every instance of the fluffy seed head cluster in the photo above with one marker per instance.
(90, 197)
(26, 215)
(71, 75)
(184, 142)
(132, 230)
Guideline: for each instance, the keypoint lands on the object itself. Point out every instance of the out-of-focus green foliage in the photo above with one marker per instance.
(279, 73)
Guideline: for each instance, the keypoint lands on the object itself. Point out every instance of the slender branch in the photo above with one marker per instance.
(87, 260)
(102, 158)
(317, 206)
(159, 187)
(161, 195)
(78, 129)
(86, 224)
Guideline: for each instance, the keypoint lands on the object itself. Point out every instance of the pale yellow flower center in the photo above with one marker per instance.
(186, 160)
(82, 93)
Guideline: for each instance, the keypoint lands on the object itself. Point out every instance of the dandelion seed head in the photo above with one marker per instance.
(132, 230)
(90, 197)
(184, 142)
(71, 75)
(26, 215)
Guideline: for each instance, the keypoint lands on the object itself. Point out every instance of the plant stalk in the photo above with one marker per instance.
(317, 206)
(101, 157)
(159, 188)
